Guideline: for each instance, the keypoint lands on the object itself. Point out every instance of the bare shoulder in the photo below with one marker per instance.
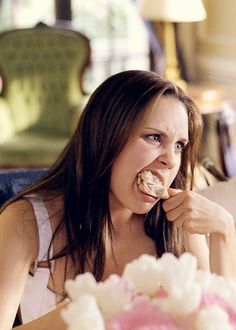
(18, 250)
(18, 225)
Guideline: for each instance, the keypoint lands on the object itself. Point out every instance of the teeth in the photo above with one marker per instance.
(151, 185)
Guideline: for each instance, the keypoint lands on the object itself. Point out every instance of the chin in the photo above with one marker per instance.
(143, 209)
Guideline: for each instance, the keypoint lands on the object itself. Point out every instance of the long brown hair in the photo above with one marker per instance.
(82, 173)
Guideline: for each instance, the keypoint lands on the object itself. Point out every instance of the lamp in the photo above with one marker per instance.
(169, 12)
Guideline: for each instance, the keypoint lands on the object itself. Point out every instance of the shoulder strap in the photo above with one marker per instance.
(44, 227)
(33, 303)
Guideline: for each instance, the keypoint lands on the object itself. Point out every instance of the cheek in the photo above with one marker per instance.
(173, 172)
(121, 171)
(133, 158)
(125, 168)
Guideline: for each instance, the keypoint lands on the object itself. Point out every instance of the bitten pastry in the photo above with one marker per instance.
(151, 185)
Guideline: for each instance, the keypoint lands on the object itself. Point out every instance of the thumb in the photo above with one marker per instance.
(172, 192)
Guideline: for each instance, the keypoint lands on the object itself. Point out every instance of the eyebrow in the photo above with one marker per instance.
(165, 135)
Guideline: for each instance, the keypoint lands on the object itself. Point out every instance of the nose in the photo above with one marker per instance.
(168, 157)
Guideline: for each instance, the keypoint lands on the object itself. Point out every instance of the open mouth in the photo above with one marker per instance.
(150, 184)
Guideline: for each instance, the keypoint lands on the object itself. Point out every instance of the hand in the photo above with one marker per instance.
(196, 214)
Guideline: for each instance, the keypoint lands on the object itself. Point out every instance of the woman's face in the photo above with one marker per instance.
(157, 147)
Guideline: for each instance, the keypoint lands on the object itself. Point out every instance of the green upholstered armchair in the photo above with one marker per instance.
(42, 73)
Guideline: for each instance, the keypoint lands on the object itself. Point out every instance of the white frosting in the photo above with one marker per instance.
(151, 185)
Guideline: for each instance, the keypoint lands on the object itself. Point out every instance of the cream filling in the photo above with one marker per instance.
(151, 185)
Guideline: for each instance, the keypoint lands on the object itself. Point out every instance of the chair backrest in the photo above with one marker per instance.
(13, 181)
(42, 70)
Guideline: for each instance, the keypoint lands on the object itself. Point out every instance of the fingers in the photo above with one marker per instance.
(174, 214)
(180, 222)
(178, 210)
(192, 213)
(172, 192)
(175, 200)
(184, 223)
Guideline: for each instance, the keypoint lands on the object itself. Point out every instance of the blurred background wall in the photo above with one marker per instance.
(120, 38)
(211, 55)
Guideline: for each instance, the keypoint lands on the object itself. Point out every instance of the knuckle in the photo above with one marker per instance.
(188, 196)
(164, 207)
(188, 211)
(170, 216)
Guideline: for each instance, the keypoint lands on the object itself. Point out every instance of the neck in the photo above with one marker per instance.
(127, 226)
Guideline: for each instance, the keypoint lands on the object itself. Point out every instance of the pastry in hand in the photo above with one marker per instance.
(150, 184)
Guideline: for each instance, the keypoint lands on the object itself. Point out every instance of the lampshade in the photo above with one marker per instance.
(172, 10)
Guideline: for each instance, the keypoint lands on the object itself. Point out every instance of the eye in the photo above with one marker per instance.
(180, 146)
(153, 138)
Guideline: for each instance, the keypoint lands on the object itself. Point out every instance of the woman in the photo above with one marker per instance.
(88, 213)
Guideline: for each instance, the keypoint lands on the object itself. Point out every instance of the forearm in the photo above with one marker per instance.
(195, 214)
(222, 255)
(52, 321)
